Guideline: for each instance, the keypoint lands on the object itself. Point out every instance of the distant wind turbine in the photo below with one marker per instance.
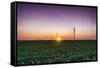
(74, 32)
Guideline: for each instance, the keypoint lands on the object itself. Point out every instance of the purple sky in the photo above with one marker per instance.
(32, 18)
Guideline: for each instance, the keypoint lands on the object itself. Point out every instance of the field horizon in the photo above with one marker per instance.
(52, 51)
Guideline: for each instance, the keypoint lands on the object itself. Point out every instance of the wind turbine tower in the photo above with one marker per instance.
(74, 32)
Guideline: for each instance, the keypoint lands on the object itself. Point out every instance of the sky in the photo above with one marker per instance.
(48, 22)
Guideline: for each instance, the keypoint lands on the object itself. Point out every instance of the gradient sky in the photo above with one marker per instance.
(42, 22)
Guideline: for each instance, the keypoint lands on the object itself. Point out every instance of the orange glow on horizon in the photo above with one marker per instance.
(51, 36)
(58, 39)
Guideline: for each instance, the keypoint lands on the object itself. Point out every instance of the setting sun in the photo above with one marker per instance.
(58, 39)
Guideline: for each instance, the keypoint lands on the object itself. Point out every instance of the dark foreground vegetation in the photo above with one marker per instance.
(41, 52)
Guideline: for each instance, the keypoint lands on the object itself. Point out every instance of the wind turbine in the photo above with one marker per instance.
(74, 30)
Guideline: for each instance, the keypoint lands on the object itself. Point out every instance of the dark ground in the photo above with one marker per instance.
(41, 52)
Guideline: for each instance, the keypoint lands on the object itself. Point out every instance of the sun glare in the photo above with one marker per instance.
(58, 39)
